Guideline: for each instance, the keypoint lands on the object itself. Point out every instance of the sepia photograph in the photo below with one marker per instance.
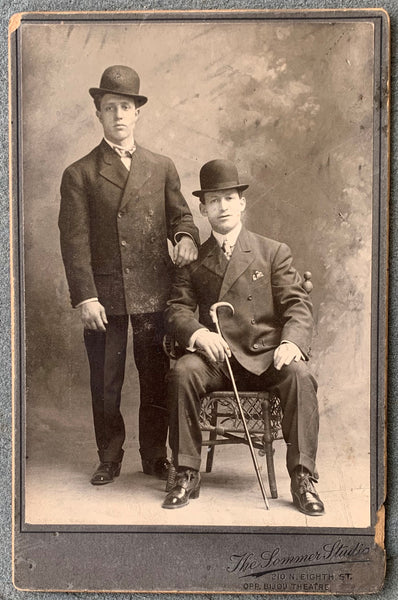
(200, 259)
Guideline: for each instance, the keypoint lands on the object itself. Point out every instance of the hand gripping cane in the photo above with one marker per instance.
(214, 318)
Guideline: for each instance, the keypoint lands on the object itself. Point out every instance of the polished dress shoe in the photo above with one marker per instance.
(106, 472)
(187, 485)
(305, 497)
(159, 467)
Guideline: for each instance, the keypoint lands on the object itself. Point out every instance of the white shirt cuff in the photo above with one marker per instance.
(192, 339)
(179, 234)
(295, 345)
(86, 301)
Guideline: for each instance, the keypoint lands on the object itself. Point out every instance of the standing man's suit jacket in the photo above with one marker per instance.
(264, 289)
(114, 227)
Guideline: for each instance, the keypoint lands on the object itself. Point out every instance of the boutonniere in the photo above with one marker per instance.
(257, 275)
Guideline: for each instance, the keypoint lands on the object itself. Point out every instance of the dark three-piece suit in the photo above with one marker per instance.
(114, 225)
(270, 306)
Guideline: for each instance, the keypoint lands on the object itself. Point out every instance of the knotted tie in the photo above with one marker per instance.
(124, 153)
(227, 248)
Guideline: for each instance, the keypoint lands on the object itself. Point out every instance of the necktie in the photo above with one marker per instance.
(124, 153)
(226, 248)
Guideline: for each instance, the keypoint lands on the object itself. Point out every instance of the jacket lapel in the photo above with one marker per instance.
(213, 258)
(241, 258)
(140, 172)
(111, 167)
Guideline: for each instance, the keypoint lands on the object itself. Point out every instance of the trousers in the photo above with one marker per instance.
(193, 376)
(106, 353)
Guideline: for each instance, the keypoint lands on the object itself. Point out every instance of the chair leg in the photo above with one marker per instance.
(269, 452)
(212, 437)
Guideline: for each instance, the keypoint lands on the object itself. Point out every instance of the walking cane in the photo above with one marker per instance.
(214, 318)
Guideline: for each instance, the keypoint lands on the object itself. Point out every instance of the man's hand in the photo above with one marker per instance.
(93, 316)
(185, 251)
(285, 353)
(213, 345)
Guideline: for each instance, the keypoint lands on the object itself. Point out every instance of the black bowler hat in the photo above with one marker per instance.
(120, 80)
(219, 175)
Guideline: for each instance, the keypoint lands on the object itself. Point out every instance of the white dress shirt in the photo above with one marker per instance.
(231, 236)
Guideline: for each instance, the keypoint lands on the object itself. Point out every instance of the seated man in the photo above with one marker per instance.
(267, 339)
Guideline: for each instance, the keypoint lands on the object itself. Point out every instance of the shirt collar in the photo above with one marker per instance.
(231, 236)
(113, 146)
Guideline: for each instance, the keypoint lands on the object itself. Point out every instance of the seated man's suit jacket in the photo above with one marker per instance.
(114, 226)
(263, 287)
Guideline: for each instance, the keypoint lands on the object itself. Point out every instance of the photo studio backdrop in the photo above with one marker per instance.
(291, 105)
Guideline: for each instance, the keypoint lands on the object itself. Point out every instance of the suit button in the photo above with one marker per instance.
(250, 297)
(127, 270)
(253, 321)
(123, 243)
(153, 239)
(119, 215)
(150, 212)
(255, 346)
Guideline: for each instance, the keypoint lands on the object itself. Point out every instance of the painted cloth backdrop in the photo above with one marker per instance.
(291, 104)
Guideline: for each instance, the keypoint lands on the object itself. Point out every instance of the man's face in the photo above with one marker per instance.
(118, 116)
(223, 209)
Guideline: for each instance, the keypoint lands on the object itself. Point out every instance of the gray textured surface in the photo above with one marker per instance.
(6, 589)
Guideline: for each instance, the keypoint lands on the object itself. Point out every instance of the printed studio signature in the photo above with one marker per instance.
(249, 564)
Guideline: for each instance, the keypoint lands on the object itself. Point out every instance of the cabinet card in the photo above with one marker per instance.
(298, 102)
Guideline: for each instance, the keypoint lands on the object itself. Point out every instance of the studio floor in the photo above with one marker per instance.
(58, 491)
(61, 457)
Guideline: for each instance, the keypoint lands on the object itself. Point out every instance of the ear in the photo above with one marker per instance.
(242, 204)
(99, 115)
(136, 116)
(203, 209)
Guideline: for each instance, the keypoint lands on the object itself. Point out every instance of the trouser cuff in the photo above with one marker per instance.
(190, 462)
(110, 456)
(303, 461)
(153, 453)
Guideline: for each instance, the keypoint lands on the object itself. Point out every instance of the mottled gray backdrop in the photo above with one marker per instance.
(291, 104)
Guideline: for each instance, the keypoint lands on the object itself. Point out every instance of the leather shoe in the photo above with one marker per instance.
(305, 497)
(105, 473)
(187, 486)
(159, 467)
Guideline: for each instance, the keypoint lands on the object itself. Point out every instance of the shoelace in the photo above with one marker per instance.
(306, 483)
(184, 477)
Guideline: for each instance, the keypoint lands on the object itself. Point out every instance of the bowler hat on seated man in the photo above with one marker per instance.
(120, 80)
(218, 175)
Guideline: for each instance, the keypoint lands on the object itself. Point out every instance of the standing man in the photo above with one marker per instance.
(268, 338)
(119, 205)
